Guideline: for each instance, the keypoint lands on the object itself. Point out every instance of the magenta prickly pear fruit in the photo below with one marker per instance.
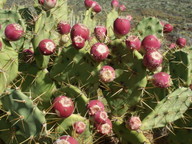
(133, 42)
(115, 3)
(100, 33)
(121, 26)
(94, 106)
(66, 139)
(167, 28)
(78, 42)
(97, 8)
(80, 30)
(100, 117)
(99, 51)
(122, 8)
(152, 59)
(107, 74)
(41, 2)
(79, 127)
(172, 46)
(14, 32)
(161, 79)
(151, 42)
(89, 3)
(28, 55)
(63, 106)
(129, 17)
(49, 4)
(63, 27)
(181, 42)
(47, 47)
(134, 123)
(1, 45)
(105, 128)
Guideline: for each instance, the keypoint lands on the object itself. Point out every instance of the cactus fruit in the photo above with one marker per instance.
(122, 8)
(1, 45)
(95, 106)
(161, 79)
(79, 127)
(99, 51)
(78, 42)
(151, 42)
(181, 42)
(63, 27)
(122, 26)
(100, 117)
(66, 139)
(89, 3)
(97, 8)
(134, 123)
(47, 47)
(105, 128)
(152, 59)
(167, 28)
(63, 106)
(80, 30)
(115, 3)
(100, 33)
(107, 74)
(133, 42)
(28, 55)
(14, 32)
(49, 4)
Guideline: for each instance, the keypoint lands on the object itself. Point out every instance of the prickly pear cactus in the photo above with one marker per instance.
(60, 83)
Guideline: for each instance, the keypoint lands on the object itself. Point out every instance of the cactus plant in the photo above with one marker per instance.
(85, 81)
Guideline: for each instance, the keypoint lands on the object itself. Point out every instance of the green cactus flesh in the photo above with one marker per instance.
(23, 113)
(169, 109)
(149, 26)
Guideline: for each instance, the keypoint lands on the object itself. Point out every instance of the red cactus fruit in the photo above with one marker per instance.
(121, 26)
(122, 7)
(66, 139)
(49, 4)
(129, 17)
(47, 47)
(134, 123)
(151, 42)
(1, 45)
(63, 106)
(107, 74)
(94, 106)
(63, 27)
(80, 30)
(105, 128)
(161, 79)
(100, 33)
(115, 3)
(89, 3)
(172, 46)
(14, 32)
(152, 59)
(162, 23)
(181, 42)
(99, 51)
(79, 127)
(133, 42)
(100, 117)
(41, 2)
(167, 28)
(28, 55)
(97, 8)
(78, 42)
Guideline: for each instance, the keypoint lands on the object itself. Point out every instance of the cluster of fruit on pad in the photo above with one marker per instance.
(86, 81)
